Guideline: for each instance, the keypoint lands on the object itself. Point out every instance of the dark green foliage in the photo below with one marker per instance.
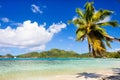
(29, 55)
(0, 56)
(54, 53)
(8, 56)
(86, 55)
(57, 53)
(112, 55)
(118, 51)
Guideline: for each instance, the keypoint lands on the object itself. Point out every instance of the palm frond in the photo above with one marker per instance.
(100, 30)
(110, 38)
(80, 12)
(89, 11)
(108, 43)
(111, 23)
(70, 22)
(80, 33)
(89, 25)
(101, 15)
(117, 39)
(78, 21)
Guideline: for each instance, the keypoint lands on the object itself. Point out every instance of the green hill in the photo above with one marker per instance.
(57, 53)
(7, 56)
(54, 53)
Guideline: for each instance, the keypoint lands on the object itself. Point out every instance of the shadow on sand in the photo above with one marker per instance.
(88, 75)
(116, 75)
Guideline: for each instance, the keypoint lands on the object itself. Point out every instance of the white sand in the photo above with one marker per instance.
(86, 76)
(82, 77)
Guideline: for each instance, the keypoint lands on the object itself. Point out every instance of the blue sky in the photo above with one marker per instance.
(19, 20)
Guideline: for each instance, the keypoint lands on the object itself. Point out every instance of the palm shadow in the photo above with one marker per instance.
(116, 75)
(116, 70)
(88, 75)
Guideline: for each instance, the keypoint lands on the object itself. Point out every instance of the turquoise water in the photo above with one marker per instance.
(24, 67)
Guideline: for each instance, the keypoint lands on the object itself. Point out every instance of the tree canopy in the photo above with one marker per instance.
(89, 24)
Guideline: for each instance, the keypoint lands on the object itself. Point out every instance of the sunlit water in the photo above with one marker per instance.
(14, 69)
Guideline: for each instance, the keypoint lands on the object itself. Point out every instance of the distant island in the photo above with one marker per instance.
(57, 53)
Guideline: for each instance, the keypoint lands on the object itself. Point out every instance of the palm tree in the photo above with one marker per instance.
(89, 25)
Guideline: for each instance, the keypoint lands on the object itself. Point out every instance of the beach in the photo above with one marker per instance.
(60, 69)
(80, 76)
(59, 40)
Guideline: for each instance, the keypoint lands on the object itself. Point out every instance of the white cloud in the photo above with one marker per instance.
(71, 38)
(117, 49)
(55, 28)
(68, 49)
(105, 20)
(16, 24)
(29, 35)
(61, 40)
(71, 45)
(75, 17)
(114, 50)
(4, 50)
(36, 9)
(5, 19)
(41, 47)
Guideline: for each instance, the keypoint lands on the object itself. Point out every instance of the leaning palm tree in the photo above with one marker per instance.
(90, 26)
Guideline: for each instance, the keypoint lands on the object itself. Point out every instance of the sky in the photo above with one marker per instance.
(40, 25)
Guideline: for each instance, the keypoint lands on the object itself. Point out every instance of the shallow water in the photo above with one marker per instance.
(14, 69)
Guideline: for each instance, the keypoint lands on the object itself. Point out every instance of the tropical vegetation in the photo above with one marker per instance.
(57, 53)
(90, 24)
(53, 53)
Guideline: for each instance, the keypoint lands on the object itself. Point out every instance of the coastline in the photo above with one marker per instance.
(95, 75)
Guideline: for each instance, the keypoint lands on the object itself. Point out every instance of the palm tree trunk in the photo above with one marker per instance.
(100, 54)
(94, 53)
(89, 46)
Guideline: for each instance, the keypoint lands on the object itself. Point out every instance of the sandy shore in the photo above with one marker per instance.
(102, 75)
(84, 76)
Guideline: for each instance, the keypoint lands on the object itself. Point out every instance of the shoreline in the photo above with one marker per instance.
(101, 75)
